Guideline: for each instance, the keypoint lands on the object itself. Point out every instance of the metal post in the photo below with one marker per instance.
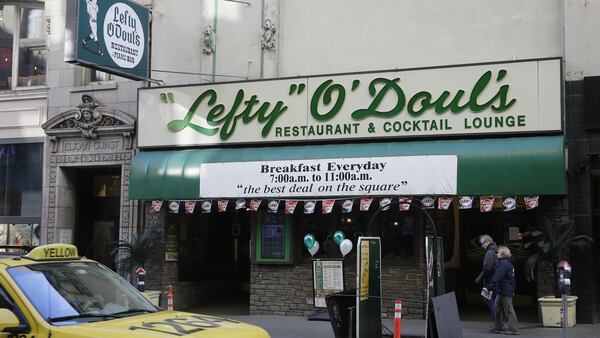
(397, 318)
(565, 311)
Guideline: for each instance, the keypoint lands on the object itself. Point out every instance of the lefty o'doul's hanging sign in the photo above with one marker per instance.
(110, 35)
(517, 97)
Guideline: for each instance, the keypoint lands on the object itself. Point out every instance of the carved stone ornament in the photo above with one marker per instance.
(209, 37)
(90, 120)
(268, 35)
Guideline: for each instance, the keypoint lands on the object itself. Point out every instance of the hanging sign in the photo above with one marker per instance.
(465, 202)
(404, 203)
(290, 206)
(509, 203)
(514, 97)
(309, 207)
(254, 204)
(531, 202)
(109, 35)
(347, 206)
(365, 203)
(411, 175)
(190, 206)
(206, 206)
(327, 206)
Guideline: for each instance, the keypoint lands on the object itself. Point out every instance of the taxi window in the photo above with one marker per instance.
(5, 301)
(77, 291)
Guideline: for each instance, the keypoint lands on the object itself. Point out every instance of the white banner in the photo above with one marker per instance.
(369, 176)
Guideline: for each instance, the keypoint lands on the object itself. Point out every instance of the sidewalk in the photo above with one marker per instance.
(301, 327)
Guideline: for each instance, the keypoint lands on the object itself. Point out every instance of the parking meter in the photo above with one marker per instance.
(564, 281)
(564, 277)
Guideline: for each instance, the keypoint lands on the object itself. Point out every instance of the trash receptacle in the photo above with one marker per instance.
(341, 307)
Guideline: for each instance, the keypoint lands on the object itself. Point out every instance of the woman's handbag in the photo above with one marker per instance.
(485, 293)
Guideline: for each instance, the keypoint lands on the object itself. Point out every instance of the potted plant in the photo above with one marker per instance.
(557, 242)
(134, 254)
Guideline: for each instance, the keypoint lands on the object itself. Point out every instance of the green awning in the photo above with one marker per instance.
(501, 167)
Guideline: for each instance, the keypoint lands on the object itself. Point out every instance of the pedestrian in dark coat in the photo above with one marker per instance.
(503, 285)
(488, 268)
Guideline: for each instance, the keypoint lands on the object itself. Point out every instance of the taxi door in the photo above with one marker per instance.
(16, 320)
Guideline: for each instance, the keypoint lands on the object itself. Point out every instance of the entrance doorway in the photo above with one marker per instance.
(505, 228)
(214, 255)
(97, 213)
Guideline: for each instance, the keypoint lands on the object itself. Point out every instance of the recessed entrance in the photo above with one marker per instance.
(97, 213)
(506, 229)
(213, 257)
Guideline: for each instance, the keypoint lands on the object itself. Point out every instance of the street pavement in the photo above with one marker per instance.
(302, 327)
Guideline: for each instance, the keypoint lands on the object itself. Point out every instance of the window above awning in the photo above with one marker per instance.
(500, 167)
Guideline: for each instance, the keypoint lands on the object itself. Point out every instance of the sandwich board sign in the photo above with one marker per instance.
(368, 300)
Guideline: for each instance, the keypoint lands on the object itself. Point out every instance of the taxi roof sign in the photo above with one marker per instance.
(57, 251)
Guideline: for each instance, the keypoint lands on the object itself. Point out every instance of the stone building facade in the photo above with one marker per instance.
(239, 41)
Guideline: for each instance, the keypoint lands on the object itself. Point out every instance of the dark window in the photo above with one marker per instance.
(591, 97)
(21, 179)
(273, 236)
(32, 48)
(26, 24)
(399, 230)
(7, 31)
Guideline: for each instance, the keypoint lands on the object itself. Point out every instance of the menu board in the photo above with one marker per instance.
(328, 278)
(171, 243)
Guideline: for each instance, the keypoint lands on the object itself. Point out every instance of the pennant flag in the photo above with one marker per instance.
(174, 207)
(222, 204)
(189, 207)
(327, 206)
(365, 203)
(465, 202)
(428, 202)
(404, 203)
(155, 206)
(309, 207)
(206, 206)
(240, 204)
(486, 203)
(273, 206)
(347, 206)
(254, 204)
(384, 203)
(509, 203)
(531, 202)
(444, 202)
(290, 206)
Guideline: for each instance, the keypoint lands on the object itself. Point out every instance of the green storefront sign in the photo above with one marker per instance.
(109, 35)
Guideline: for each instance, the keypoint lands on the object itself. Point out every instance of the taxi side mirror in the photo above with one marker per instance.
(9, 321)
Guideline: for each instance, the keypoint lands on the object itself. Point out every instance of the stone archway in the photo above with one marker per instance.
(91, 136)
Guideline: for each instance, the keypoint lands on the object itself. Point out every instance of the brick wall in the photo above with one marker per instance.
(288, 289)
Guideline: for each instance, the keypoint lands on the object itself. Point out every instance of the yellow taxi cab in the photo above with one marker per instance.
(52, 292)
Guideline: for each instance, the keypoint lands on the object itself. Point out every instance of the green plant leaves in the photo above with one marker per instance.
(557, 242)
